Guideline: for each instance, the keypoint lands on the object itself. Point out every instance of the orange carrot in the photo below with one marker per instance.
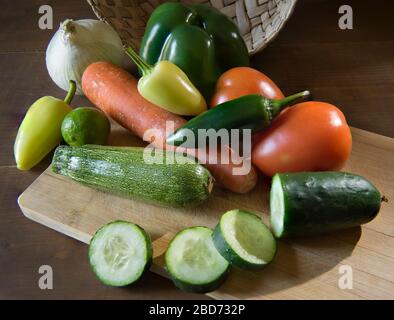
(114, 91)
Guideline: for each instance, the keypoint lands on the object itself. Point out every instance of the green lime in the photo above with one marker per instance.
(85, 125)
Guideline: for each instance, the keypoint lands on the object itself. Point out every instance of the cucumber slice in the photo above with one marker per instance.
(193, 263)
(244, 240)
(120, 252)
(309, 203)
(277, 206)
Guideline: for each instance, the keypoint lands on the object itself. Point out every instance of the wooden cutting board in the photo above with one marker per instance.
(304, 268)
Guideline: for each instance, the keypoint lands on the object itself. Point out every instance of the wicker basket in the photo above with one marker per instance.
(259, 21)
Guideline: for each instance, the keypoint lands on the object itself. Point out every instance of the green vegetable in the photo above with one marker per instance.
(252, 111)
(318, 202)
(40, 130)
(167, 86)
(199, 39)
(244, 240)
(124, 171)
(85, 125)
(193, 263)
(120, 252)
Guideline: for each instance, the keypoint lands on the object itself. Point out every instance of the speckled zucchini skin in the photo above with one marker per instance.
(320, 202)
(123, 171)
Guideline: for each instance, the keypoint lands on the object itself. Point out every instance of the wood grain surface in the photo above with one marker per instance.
(353, 69)
(305, 268)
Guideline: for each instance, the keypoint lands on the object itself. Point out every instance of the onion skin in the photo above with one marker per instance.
(77, 44)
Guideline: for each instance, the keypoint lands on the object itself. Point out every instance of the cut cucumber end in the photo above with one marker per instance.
(120, 252)
(244, 240)
(193, 262)
(277, 206)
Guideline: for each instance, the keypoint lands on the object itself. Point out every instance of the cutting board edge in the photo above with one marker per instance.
(83, 237)
(158, 266)
(53, 224)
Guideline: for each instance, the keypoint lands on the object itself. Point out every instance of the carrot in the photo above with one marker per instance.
(114, 91)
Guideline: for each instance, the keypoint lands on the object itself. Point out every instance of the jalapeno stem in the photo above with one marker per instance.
(278, 105)
(144, 67)
(71, 92)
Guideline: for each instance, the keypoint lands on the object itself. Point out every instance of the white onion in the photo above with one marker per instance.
(76, 45)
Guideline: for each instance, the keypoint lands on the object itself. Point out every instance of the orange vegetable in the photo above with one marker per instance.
(240, 81)
(310, 136)
(114, 91)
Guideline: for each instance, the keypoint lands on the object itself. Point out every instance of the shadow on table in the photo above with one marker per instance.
(298, 260)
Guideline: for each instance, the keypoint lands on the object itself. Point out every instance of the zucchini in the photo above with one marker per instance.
(193, 263)
(309, 203)
(123, 171)
(120, 252)
(244, 240)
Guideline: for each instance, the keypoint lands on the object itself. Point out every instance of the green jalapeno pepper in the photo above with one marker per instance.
(253, 112)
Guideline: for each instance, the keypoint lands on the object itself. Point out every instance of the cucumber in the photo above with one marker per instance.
(123, 171)
(244, 240)
(310, 203)
(120, 252)
(193, 263)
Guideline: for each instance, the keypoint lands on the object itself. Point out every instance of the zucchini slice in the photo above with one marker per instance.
(120, 252)
(193, 263)
(244, 240)
(308, 203)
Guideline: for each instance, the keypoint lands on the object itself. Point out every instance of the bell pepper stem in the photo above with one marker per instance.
(144, 67)
(71, 92)
(278, 105)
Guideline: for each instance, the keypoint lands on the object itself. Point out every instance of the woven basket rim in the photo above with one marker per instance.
(275, 34)
(99, 14)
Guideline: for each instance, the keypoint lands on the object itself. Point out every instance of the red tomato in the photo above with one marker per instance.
(240, 81)
(309, 136)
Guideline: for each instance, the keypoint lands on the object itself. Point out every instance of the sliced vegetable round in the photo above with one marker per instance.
(120, 252)
(244, 240)
(307, 203)
(193, 262)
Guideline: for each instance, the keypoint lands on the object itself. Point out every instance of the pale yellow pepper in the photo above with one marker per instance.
(168, 87)
(40, 130)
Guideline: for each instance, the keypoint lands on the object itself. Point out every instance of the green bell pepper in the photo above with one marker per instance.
(199, 39)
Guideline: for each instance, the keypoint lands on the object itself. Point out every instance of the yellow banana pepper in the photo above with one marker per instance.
(168, 87)
(40, 130)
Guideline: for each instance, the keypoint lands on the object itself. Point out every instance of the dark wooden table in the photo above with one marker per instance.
(353, 69)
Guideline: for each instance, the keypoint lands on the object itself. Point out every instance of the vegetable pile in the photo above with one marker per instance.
(193, 62)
